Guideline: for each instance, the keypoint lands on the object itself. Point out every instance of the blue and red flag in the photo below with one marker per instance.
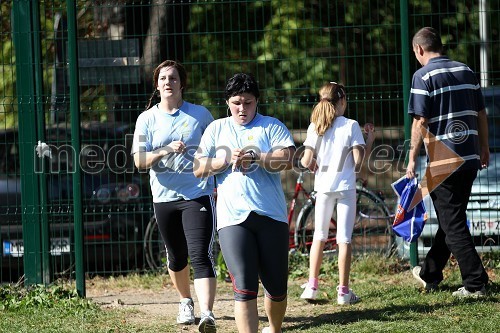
(410, 217)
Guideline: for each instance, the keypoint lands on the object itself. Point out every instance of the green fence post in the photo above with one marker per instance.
(74, 106)
(40, 123)
(405, 61)
(25, 90)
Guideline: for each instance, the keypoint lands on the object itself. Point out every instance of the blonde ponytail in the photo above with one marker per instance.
(323, 114)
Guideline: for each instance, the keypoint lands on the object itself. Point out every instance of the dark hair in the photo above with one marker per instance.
(241, 83)
(429, 39)
(182, 76)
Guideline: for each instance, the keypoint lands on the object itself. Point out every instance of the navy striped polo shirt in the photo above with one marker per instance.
(448, 94)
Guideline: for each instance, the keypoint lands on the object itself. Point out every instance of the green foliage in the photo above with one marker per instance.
(298, 265)
(221, 267)
(368, 264)
(13, 297)
(491, 259)
(7, 72)
(292, 47)
(149, 280)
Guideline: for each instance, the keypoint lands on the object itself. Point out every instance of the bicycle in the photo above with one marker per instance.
(373, 219)
(372, 228)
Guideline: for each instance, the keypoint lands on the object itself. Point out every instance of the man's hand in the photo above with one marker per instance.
(410, 170)
(485, 158)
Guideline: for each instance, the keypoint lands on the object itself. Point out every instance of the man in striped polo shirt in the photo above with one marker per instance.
(448, 113)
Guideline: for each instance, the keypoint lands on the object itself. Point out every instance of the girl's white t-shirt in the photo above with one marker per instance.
(334, 155)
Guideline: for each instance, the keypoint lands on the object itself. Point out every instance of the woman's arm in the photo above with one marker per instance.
(370, 138)
(277, 160)
(367, 150)
(358, 153)
(308, 160)
(205, 166)
(146, 159)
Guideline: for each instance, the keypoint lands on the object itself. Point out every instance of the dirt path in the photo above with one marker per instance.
(163, 305)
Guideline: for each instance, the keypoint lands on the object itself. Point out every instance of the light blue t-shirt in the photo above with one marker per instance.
(172, 178)
(256, 190)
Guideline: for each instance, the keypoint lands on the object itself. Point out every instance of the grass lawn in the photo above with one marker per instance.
(391, 302)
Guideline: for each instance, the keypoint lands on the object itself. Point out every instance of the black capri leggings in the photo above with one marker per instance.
(187, 228)
(257, 247)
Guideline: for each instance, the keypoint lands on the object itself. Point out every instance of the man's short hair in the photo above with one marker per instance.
(429, 39)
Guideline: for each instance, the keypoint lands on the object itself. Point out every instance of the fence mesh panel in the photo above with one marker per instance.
(292, 47)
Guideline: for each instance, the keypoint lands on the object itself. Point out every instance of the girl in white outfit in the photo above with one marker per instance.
(335, 148)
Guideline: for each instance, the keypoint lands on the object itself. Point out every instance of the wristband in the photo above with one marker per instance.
(253, 154)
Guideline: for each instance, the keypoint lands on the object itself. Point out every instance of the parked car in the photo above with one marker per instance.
(115, 200)
(483, 211)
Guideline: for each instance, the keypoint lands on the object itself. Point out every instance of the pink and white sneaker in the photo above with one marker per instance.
(309, 293)
(349, 298)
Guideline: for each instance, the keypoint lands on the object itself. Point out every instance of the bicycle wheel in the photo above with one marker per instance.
(304, 230)
(154, 248)
(155, 251)
(372, 228)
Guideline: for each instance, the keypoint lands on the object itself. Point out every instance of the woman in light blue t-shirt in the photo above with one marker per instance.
(246, 151)
(166, 136)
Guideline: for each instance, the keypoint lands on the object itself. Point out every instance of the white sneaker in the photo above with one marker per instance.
(207, 322)
(266, 330)
(427, 285)
(308, 293)
(186, 311)
(464, 293)
(349, 298)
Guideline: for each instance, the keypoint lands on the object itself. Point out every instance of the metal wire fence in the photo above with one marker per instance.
(292, 47)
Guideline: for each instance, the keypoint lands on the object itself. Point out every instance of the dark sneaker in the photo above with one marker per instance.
(427, 285)
(464, 293)
(186, 311)
(207, 322)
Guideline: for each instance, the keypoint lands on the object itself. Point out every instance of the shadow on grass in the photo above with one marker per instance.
(318, 301)
(346, 315)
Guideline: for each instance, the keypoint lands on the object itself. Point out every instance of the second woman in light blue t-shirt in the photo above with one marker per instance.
(246, 151)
